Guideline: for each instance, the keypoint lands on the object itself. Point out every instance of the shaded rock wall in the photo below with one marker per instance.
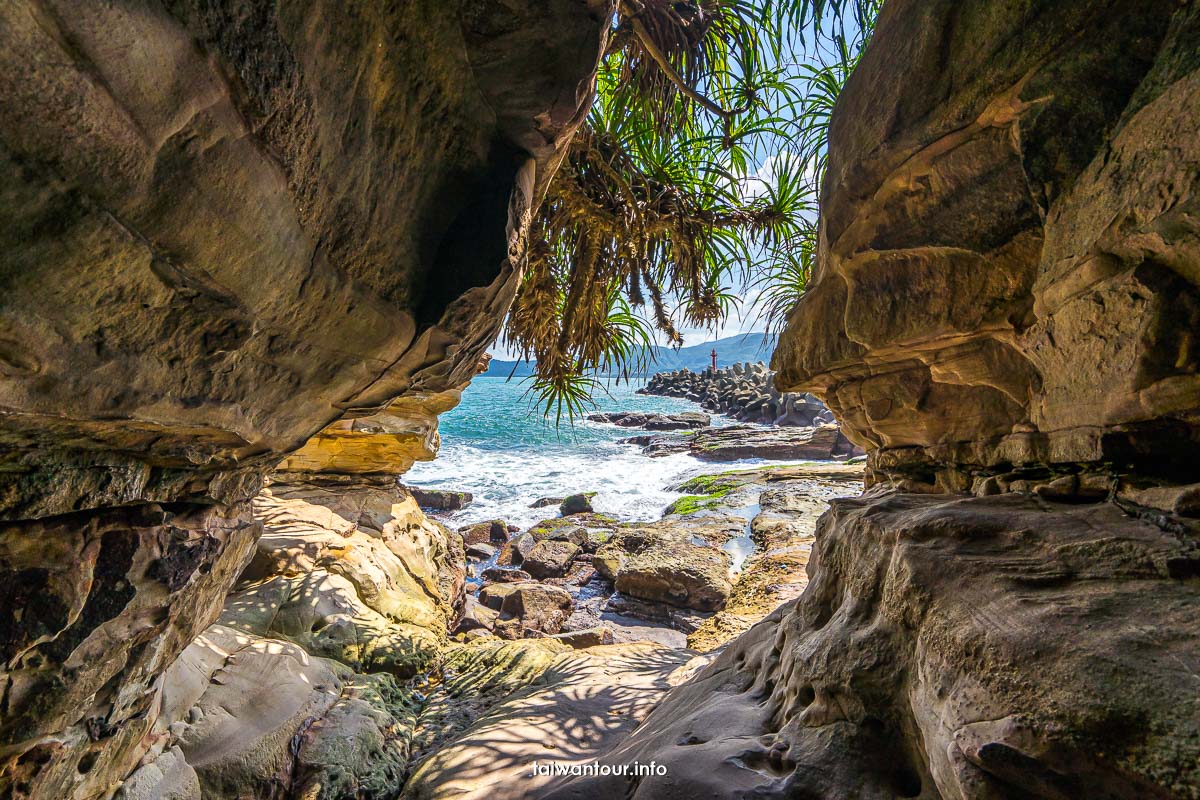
(96, 606)
(227, 226)
(1008, 270)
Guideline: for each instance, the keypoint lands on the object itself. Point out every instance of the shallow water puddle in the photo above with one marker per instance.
(742, 546)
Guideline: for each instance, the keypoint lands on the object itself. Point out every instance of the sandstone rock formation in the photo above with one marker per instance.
(948, 648)
(1008, 270)
(388, 442)
(1003, 314)
(206, 259)
(299, 687)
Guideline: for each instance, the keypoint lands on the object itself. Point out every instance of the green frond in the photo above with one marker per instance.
(658, 211)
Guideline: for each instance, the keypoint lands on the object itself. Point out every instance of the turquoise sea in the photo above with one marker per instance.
(496, 446)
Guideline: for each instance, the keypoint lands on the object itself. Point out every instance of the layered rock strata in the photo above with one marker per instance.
(224, 229)
(948, 648)
(1008, 272)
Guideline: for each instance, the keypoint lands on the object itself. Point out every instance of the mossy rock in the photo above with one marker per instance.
(577, 504)
(704, 493)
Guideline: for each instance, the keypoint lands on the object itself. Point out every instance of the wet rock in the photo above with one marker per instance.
(505, 575)
(550, 558)
(495, 532)
(577, 504)
(543, 502)
(441, 500)
(481, 551)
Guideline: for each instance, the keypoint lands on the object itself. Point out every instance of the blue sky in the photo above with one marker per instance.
(747, 318)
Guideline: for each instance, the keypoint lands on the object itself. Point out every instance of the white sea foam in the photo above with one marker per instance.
(495, 447)
(629, 485)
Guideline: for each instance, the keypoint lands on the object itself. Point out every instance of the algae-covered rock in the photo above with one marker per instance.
(667, 566)
(577, 504)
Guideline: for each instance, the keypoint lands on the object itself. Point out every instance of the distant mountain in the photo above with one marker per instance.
(502, 369)
(732, 350)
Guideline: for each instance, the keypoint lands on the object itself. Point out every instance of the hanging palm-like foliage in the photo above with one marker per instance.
(657, 213)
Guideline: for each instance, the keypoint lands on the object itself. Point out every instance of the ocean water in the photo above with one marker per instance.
(496, 446)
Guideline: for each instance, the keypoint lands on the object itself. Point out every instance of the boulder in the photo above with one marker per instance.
(574, 534)
(665, 566)
(440, 499)
(577, 504)
(521, 546)
(476, 616)
(505, 575)
(527, 608)
(550, 558)
(543, 502)
(495, 532)
(481, 551)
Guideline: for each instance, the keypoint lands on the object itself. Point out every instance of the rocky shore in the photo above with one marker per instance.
(744, 392)
(584, 578)
(254, 249)
(738, 442)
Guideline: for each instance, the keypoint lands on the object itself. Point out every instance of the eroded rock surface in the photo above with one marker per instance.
(300, 687)
(948, 648)
(227, 227)
(1008, 272)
